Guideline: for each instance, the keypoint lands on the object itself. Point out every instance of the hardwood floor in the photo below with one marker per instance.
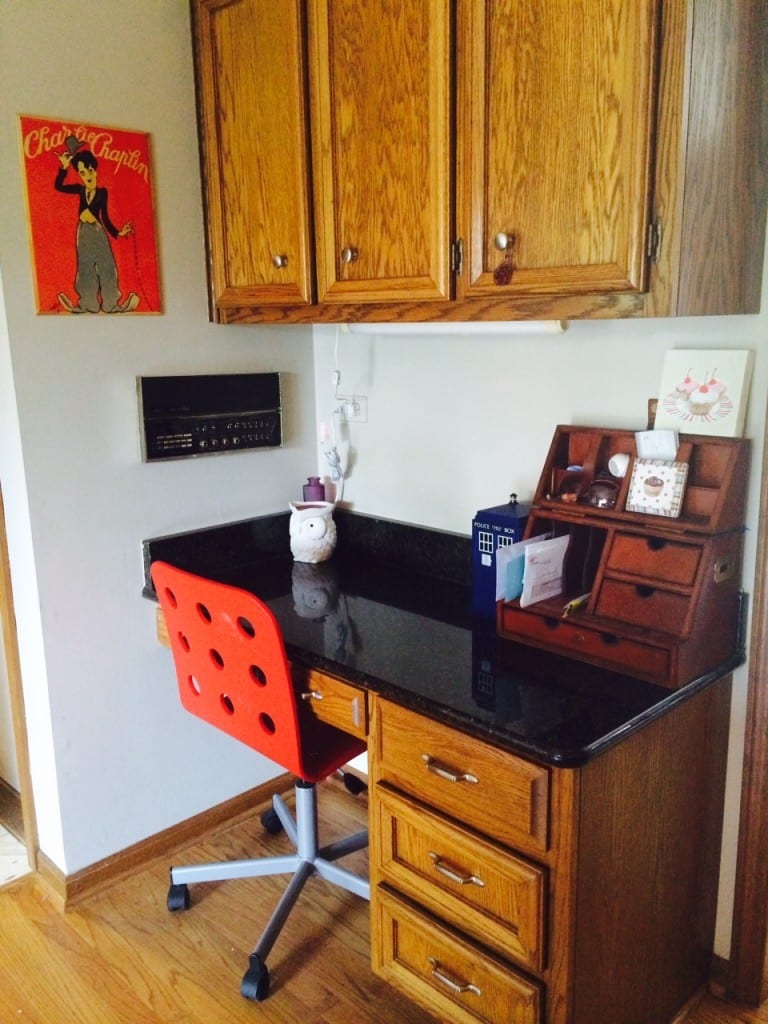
(120, 957)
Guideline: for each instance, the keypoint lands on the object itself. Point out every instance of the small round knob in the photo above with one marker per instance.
(279, 261)
(502, 241)
(349, 254)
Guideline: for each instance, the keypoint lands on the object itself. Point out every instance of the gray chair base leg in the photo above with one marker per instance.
(307, 861)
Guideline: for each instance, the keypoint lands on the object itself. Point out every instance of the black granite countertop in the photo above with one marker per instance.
(391, 610)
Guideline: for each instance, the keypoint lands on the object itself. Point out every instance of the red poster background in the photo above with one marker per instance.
(125, 170)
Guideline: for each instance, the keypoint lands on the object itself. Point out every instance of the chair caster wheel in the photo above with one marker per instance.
(271, 822)
(255, 983)
(353, 784)
(178, 897)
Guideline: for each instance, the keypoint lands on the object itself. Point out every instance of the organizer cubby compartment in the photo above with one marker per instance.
(714, 494)
(664, 598)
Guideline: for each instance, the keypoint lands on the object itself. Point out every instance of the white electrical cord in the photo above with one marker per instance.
(333, 459)
(328, 444)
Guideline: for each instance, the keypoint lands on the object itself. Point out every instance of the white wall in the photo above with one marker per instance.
(456, 423)
(113, 757)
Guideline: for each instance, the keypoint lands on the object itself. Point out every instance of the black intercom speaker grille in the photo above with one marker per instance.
(208, 414)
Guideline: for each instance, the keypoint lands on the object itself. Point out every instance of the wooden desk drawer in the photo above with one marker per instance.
(332, 700)
(573, 637)
(468, 881)
(654, 558)
(484, 788)
(643, 606)
(448, 975)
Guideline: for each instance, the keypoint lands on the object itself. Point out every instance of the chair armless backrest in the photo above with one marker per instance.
(230, 662)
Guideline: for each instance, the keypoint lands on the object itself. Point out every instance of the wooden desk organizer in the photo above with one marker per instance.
(664, 593)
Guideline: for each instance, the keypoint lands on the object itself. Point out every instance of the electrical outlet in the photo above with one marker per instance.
(354, 407)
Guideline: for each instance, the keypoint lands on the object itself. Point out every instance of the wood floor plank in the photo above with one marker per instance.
(119, 957)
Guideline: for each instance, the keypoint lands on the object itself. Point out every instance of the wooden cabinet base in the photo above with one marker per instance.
(627, 884)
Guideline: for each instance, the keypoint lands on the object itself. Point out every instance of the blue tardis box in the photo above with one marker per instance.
(493, 528)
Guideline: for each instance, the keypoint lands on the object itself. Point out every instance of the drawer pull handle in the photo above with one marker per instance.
(454, 874)
(446, 772)
(312, 695)
(459, 987)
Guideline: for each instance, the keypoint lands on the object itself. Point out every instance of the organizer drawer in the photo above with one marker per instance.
(654, 558)
(483, 787)
(332, 700)
(449, 975)
(469, 881)
(643, 606)
(572, 637)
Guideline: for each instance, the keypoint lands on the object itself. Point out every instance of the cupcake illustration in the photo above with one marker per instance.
(653, 486)
(703, 398)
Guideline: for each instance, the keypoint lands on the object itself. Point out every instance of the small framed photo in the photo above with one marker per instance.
(657, 487)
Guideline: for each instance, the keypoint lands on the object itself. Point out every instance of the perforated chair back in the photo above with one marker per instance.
(232, 668)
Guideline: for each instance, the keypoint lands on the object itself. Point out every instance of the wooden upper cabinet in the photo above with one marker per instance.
(555, 113)
(439, 160)
(251, 80)
(380, 78)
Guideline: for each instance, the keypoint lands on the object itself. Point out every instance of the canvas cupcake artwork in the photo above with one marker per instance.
(704, 391)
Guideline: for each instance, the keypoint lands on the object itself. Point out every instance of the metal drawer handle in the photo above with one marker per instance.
(459, 987)
(357, 711)
(455, 874)
(446, 772)
(312, 695)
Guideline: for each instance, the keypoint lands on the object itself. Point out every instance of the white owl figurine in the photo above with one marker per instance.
(312, 530)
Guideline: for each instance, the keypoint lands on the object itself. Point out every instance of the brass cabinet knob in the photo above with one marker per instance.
(502, 241)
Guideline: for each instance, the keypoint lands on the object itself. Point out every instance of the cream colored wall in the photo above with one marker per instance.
(113, 757)
(456, 423)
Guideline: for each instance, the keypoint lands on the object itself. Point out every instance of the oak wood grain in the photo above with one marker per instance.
(380, 82)
(251, 94)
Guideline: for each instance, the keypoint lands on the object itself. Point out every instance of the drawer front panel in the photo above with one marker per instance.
(483, 787)
(473, 883)
(573, 638)
(643, 606)
(451, 977)
(654, 558)
(333, 701)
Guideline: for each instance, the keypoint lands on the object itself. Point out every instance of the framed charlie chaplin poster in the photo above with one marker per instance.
(91, 218)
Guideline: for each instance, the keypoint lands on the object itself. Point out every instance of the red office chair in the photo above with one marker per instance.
(233, 672)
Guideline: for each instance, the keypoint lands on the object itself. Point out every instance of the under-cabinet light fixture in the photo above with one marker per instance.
(463, 327)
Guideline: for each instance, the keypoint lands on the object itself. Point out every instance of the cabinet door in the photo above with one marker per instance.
(555, 115)
(380, 81)
(251, 83)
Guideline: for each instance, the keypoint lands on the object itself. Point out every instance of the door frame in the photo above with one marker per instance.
(750, 910)
(18, 719)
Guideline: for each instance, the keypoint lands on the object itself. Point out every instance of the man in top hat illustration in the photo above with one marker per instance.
(96, 279)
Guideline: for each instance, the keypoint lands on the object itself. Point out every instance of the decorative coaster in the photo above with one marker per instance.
(657, 487)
